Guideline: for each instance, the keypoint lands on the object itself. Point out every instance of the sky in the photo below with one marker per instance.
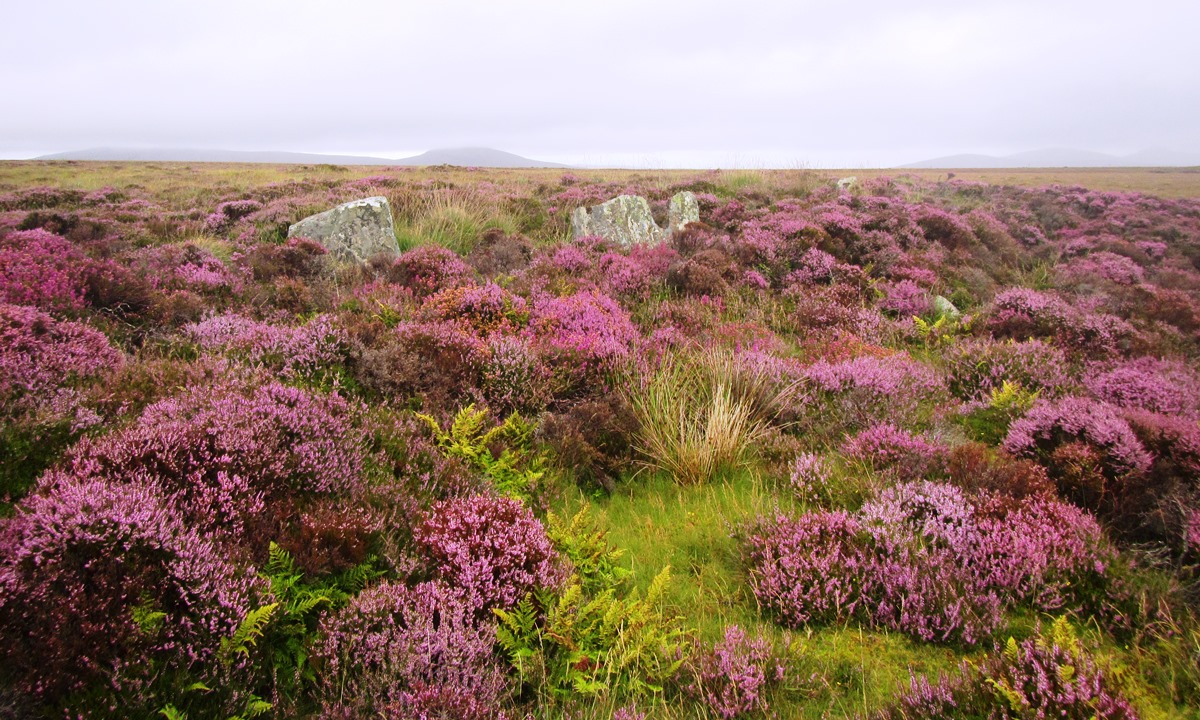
(873, 83)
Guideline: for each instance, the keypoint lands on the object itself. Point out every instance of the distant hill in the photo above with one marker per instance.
(476, 157)
(467, 157)
(1062, 157)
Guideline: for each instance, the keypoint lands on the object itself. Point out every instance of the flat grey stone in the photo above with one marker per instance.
(354, 231)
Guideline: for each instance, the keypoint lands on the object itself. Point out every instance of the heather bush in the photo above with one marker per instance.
(906, 299)
(429, 268)
(1072, 434)
(1048, 675)
(977, 367)
(922, 559)
(487, 309)
(734, 676)
(492, 549)
(42, 269)
(853, 394)
(309, 351)
(46, 369)
(887, 447)
(585, 334)
(593, 439)
(235, 460)
(393, 646)
(297, 257)
(435, 364)
(1146, 383)
(111, 604)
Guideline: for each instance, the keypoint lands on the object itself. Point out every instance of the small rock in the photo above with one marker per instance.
(683, 209)
(847, 182)
(352, 232)
(942, 307)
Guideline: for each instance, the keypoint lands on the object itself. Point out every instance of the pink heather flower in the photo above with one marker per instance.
(44, 361)
(318, 344)
(392, 643)
(491, 548)
(810, 475)
(40, 268)
(75, 563)
(1050, 423)
(755, 279)
(886, 446)
(1161, 386)
(733, 675)
(571, 259)
(906, 299)
(593, 328)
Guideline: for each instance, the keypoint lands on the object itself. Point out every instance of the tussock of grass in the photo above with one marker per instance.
(701, 416)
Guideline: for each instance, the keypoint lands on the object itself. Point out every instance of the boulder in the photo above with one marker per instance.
(683, 209)
(847, 182)
(352, 232)
(627, 221)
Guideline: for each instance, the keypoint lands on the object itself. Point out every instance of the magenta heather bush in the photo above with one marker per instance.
(922, 560)
(491, 548)
(429, 268)
(1147, 383)
(393, 646)
(1109, 266)
(732, 676)
(590, 332)
(230, 212)
(810, 569)
(487, 308)
(905, 299)
(1022, 313)
(635, 275)
(1041, 677)
(810, 475)
(43, 361)
(514, 377)
(235, 460)
(1051, 423)
(77, 566)
(976, 367)
(186, 266)
(854, 393)
(887, 447)
(40, 268)
(306, 349)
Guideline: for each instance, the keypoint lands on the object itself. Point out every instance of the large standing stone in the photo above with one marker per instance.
(625, 220)
(354, 231)
(683, 209)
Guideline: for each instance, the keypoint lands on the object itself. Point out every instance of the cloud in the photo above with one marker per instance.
(805, 82)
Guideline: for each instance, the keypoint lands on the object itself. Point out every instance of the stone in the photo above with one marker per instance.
(625, 220)
(683, 209)
(847, 182)
(352, 232)
(942, 307)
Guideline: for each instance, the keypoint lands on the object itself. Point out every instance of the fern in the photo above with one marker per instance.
(247, 633)
(516, 472)
(594, 644)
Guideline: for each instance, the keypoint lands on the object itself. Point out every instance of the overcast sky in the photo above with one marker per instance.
(656, 84)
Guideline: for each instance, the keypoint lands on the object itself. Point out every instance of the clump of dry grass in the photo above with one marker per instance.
(701, 415)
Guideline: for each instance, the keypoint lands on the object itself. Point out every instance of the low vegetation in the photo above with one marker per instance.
(912, 447)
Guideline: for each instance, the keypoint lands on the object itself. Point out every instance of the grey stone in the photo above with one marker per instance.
(942, 307)
(625, 220)
(354, 231)
(683, 209)
(847, 182)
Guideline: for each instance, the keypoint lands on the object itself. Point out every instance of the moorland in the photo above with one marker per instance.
(922, 445)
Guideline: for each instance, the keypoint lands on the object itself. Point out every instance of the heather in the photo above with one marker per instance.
(820, 454)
